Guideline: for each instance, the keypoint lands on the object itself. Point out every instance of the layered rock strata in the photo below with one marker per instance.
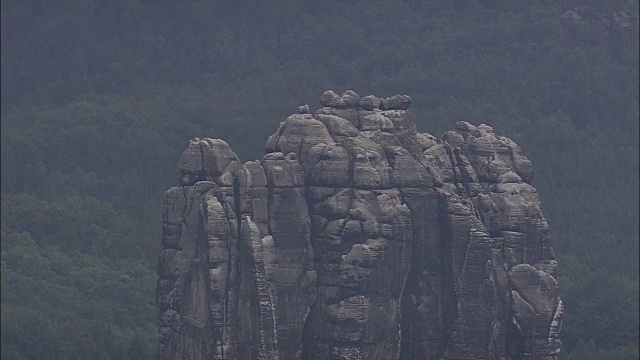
(358, 237)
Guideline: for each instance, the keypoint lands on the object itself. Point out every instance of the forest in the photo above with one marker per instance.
(99, 99)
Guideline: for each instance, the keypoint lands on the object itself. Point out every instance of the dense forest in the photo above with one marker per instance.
(99, 98)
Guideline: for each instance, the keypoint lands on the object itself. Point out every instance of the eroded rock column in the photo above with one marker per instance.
(357, 237)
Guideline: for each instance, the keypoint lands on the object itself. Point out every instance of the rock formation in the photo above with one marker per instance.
(357, 237)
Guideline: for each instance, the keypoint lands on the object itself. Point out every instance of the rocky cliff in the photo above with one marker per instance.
(357, 237)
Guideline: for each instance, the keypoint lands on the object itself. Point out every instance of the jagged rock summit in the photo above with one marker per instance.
(357, 237)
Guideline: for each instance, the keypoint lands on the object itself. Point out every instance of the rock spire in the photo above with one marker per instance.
(358, 237)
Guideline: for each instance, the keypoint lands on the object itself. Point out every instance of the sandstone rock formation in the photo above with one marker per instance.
(357, 237)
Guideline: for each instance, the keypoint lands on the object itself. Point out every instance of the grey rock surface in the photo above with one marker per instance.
(356, 237)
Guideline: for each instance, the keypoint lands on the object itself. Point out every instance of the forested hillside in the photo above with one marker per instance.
(99, 98)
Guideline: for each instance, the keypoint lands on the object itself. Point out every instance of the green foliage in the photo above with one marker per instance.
(588, 351)
(76, 223)
(56, 305)
(99, 100)
(603, 306)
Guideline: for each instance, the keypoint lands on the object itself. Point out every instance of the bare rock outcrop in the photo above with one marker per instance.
(357, 237)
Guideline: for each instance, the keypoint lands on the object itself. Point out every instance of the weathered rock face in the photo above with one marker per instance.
(356, 237)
